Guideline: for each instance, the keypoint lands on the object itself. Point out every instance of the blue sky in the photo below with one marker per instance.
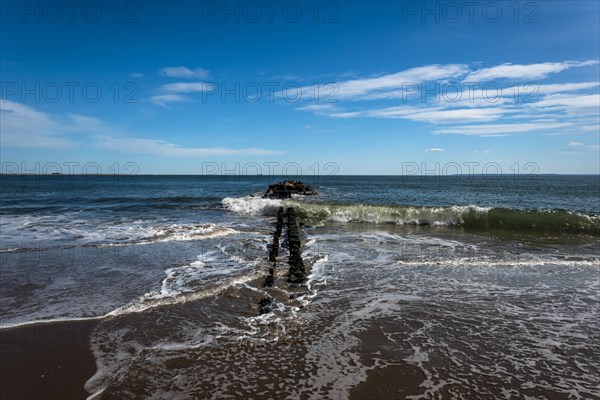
(368, 87)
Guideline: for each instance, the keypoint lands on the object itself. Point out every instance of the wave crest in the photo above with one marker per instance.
(470, 216)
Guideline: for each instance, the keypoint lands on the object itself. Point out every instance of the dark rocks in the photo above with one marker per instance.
(265, 305)
(284, 190)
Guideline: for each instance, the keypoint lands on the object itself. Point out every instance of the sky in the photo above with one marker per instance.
(311, 87)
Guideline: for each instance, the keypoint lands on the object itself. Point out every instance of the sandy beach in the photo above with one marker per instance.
(46, 361)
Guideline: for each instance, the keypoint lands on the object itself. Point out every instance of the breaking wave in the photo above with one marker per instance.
(470, 216)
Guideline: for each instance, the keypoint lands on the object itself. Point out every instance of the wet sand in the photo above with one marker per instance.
(392, 382)
(46, 361)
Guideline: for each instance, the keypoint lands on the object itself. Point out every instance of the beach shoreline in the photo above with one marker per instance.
(46, 361)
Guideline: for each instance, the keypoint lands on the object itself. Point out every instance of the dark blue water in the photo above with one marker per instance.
(29, 194)
(66, 210)
(577, 193)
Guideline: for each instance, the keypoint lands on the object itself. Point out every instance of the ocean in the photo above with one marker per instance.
(419, 287)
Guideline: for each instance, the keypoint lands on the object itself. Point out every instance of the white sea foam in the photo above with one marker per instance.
(182, 285)
(401, 215)
(174, 232)
(148, 301)
(212, 272)
(252, 205)
(48, 321)
(26, 233)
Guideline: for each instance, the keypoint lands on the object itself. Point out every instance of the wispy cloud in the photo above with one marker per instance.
(350, 114)
(361, 87)
(591, 128)
(171, 93)
(316, 107)
(187, 87)
(185, 72)
(577, 103)
(25, 127)
(524, 71)
(440, 115)
(435, 149)
(400, 84)
(164, 100)
(500, 129)
(167, 149)
(563, 87)
(449, 100)
(580, 146)
(322, 109)
(474, 96)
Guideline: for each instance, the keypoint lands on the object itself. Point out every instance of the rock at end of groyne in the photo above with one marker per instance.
(284, 190)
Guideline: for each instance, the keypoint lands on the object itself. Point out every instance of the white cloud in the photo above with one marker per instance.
(474, 96)
(167, 149)
(164, 100)
(12, 111)
(187, 87)
(25, 127)
(522, 107)
(170, 93)
(404, 83)
(564, 87)
(576, 103)
(346, 114)
(581, 145)
(185, 72)
(317, 107)
(524, 72)
(500, 129)
(591, 128)
(361, 87)
(570, 151)
(435, 149)
(438, 116)
(433, 115)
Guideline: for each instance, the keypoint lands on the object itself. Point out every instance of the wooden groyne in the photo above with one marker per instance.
(274, 251)
(297, 270)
